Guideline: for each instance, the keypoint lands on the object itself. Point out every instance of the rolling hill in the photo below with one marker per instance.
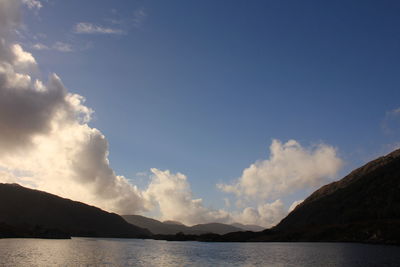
(171, 227)
(31, 213)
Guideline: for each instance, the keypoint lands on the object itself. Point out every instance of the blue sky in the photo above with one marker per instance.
(203, 87)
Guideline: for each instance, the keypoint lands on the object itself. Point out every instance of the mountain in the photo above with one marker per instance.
(172, 222)
(363, 207)
(248, 227)
(156, 227)
(216, 228)
(173, 227)
(31, 213)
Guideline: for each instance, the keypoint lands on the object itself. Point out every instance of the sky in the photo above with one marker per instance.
(195, 111)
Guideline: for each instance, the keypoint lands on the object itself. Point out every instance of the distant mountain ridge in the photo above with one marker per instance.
(172, 227)
(216, 228)
(248, 227)
(172, 222)
(32, 213)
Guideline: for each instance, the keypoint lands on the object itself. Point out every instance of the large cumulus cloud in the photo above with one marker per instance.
(45, 140)
(290, 167)
(171, 194)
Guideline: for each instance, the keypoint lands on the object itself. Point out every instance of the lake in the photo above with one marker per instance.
(136, 252)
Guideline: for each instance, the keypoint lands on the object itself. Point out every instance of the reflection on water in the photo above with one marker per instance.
(131, 252)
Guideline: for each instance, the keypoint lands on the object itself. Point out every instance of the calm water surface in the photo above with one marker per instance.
(131, 252)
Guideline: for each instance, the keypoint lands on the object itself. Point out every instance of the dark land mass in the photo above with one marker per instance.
(249, 227)
(216, 228)
(172, 227)
(362, 207)
(172, 222)
(31, 213)
(155, 226)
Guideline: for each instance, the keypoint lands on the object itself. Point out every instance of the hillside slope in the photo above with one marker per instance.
(155, 226)
(364, 206)
(25, 212)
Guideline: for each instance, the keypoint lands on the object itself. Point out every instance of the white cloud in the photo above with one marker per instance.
(32, 4)
(40, 46)
(43, 132)
(22, 60)
(89, 28)
(139, 15)
(171, 194)
(290, 167)
(62, 47)
(57, 46)
(266, 214)
(39, 36)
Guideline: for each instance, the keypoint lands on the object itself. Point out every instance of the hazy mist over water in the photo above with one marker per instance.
(135, 252)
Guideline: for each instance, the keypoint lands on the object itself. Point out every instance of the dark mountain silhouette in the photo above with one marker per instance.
(172, 227)
(364, 206)
(215, 228)
(249, 227)
(173, 222)
(31, 213)
(154, 226)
